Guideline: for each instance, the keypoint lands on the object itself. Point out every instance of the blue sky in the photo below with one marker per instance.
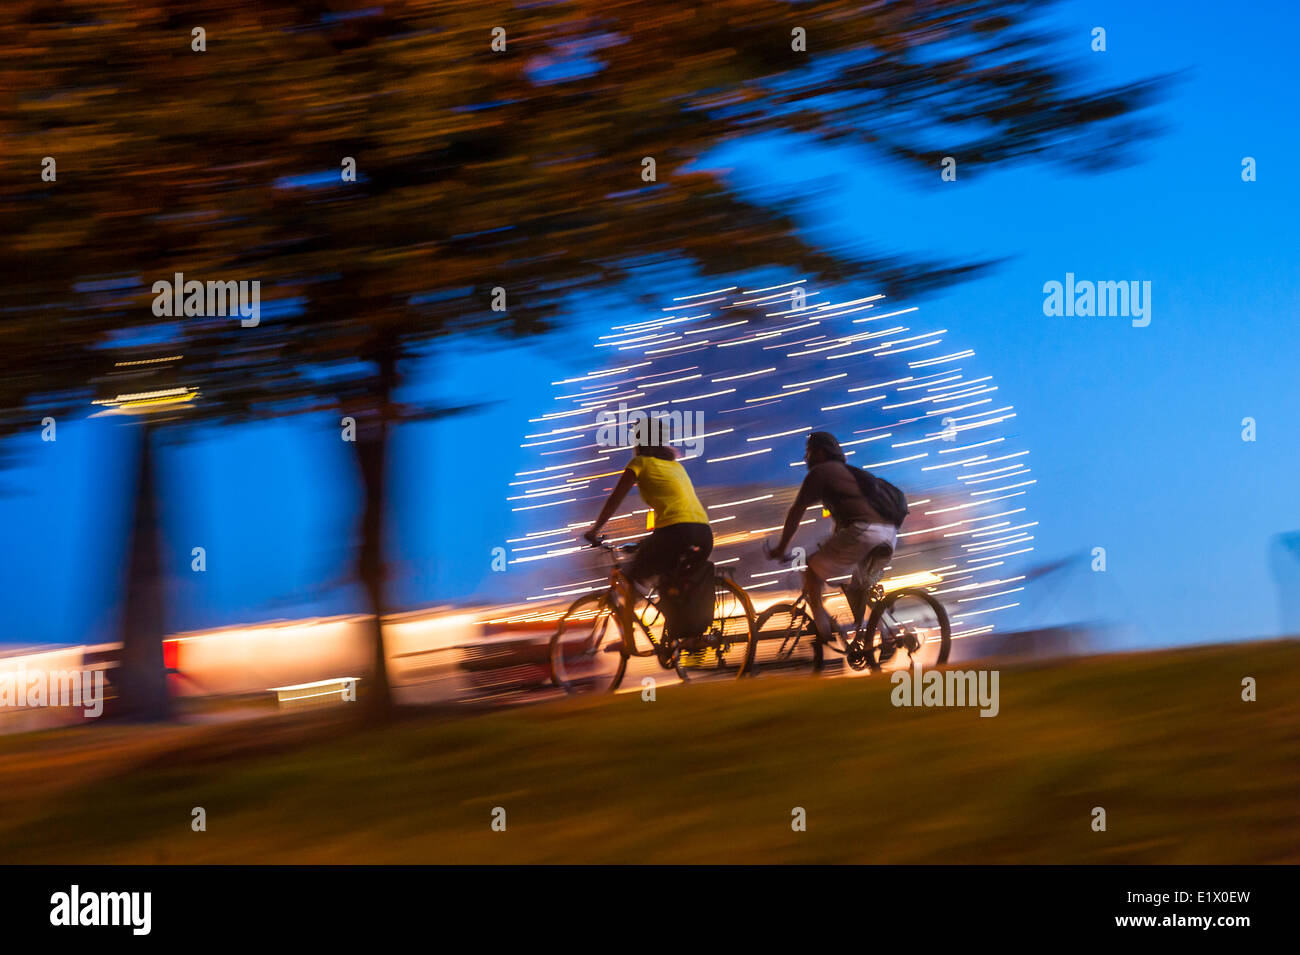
(1135, 433)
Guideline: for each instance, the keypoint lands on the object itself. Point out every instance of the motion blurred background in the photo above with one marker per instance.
(523, 169)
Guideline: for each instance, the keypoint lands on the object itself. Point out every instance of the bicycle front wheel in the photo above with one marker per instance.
(587, 652)
(909, 626)
(785, 639)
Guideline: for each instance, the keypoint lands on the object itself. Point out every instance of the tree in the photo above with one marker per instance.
(482, 174)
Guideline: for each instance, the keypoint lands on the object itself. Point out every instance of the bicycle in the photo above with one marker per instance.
(597, 635)
(908, 619)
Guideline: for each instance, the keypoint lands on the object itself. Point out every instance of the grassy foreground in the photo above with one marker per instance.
(1186, 771)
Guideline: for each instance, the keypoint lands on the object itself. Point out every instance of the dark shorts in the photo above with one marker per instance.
(660, 553)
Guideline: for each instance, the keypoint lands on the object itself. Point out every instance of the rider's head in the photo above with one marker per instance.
(822, 447)
(661, 451)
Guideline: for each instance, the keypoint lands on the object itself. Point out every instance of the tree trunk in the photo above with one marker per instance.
(372, 454)
(141, 677)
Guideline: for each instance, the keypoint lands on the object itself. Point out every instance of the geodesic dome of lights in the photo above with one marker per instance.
(765, 367)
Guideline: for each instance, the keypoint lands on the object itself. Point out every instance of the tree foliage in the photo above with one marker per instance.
(477, 169)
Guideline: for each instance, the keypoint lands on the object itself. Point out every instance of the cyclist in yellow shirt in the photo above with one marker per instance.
(681, 523)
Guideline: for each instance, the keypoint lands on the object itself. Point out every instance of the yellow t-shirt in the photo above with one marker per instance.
(667, 488)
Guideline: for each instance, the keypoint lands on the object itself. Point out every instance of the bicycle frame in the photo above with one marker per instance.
(622, 598)
(804, 603)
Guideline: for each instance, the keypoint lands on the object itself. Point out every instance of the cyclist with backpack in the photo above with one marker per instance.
(867, 512)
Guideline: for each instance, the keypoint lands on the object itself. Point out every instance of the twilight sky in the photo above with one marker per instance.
(1135, 433)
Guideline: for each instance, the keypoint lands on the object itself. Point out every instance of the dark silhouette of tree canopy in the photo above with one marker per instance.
(476, 169)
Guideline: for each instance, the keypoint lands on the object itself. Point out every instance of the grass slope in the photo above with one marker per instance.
(1186, 771)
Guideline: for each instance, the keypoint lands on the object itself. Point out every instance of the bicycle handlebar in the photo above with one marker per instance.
(602, 543)
(773, 556)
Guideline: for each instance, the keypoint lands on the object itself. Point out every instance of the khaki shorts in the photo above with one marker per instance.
(852, 549)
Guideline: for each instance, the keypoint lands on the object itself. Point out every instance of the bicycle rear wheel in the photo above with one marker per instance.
(916, 624)
(724, 649)
(587, 653)
(786, 639)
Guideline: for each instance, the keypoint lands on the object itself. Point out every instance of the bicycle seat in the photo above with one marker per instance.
(880, 551)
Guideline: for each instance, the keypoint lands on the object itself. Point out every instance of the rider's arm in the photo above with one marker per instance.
(806, 496)
(625, 482)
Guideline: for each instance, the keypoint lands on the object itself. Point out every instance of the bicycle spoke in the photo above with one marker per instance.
(723, 649)
(909, 626)
(786, 639)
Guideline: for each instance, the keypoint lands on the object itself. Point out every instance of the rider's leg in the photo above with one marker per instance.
(642, 573)
(837, 556)
(856, 595)
(626, 591)
(865, 576)
(812, 588)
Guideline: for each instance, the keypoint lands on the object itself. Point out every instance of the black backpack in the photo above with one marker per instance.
(887, 500)
(687, 601)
